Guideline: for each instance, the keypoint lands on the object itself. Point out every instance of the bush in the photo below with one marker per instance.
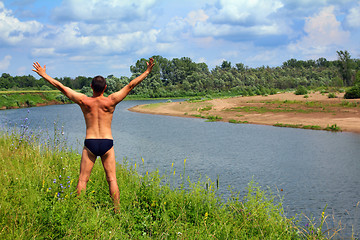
(353, 92)
(45, 88)
(331, 95)
(301, 90)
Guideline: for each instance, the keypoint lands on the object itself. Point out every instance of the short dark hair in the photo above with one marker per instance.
(98, 84)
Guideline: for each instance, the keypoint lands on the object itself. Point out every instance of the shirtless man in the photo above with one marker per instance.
(98, 112)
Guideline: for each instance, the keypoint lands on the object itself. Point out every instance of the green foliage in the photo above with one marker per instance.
(332, 95)
(237, 121)
(333, 128)
(87, 91)
(210, 118)
(26, 99)
(301, 90)
(62, 98)
(45, 88)
(357, 78)
(353, 92)
(181, 77)
(38, 200)
(346, 65)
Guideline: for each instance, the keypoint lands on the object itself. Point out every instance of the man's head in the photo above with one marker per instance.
(98, 84)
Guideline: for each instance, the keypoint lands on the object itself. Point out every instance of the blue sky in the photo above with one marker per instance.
(92, 37)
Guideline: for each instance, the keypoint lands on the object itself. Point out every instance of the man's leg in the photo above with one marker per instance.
(86, 165)
(108, 161)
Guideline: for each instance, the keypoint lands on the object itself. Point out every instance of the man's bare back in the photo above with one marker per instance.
(98, 113)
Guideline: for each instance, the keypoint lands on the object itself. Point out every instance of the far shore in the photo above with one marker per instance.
(316, 111)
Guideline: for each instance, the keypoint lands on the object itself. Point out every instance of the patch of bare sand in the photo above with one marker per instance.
(285, 108)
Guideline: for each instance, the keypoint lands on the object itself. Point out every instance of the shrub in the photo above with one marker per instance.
(353, 92)
(301, 90)
(45, 88)
(331, 95)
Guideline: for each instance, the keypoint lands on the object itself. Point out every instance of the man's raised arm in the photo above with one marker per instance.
(71, 94)
(120, 95)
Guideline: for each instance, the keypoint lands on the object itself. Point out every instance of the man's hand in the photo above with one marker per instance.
(39, 70)
(150, 64)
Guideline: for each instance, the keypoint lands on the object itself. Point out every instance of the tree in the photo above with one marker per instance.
(226, 65)
(357, 78)
(345, 66)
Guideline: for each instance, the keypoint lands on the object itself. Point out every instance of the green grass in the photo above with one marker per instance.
(237, 121)
(206, 108)
(37, 200)
(333, 128)
(278, 109)
(18, 99)
(210, 118)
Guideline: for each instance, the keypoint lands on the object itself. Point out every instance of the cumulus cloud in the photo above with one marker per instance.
(353, 18)
(100, 11)
(196, 16)
(45, 52)
(13, 30)
(5, 62)
(240, 20)
(244, 12)
(323, 31)
(173, 30)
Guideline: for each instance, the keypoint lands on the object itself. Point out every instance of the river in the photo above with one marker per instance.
(314, 169)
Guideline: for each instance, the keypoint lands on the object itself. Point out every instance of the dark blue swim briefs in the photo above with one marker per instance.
(98, 147)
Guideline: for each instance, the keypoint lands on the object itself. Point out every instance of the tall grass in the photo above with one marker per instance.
(38, 200)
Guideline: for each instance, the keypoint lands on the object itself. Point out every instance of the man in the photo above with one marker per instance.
(98, 112)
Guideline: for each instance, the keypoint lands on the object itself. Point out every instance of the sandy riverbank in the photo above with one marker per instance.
(285, 108)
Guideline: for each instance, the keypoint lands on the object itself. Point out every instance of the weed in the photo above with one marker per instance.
(210, 118)
(332, 95)
(207, 108)
(333, 128)
(237, 121)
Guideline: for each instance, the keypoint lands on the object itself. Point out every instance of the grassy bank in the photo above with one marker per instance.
(37, 200)
(30, 98)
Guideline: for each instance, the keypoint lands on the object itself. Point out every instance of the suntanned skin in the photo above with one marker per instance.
(98, 112)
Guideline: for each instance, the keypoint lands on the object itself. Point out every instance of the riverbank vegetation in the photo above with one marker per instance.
(181, 77)
(38, 200)
(30, 98)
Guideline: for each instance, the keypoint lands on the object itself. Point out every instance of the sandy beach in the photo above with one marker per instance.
(283, 108)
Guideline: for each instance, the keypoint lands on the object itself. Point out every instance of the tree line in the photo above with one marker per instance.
(183, 77)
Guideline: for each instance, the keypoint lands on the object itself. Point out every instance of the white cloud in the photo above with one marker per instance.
(323, 32)
(353, 18)
(5, 62)
(245, 12)
(13, 30)
(99, 10)
(173, 30)
(240, 20)
(196, 16)
(45, 52)
(236, 33)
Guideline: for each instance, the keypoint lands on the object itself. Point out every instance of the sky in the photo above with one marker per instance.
(97, 37)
